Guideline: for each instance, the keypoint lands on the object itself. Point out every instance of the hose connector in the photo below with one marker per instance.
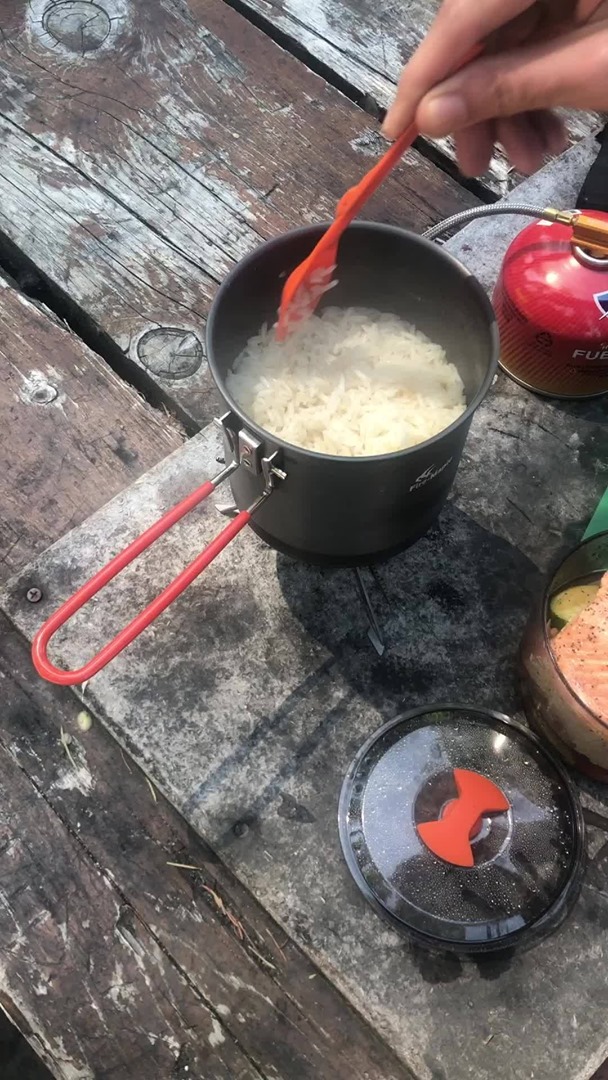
(564, 217)
(591, 235)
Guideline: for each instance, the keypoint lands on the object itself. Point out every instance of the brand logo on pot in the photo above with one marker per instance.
(429, 474)
(601, 300)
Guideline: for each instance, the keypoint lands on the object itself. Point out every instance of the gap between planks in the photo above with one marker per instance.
(194, 913)
(135, 204)
(364, 100)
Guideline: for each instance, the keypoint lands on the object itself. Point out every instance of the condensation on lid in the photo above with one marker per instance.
(504, 876)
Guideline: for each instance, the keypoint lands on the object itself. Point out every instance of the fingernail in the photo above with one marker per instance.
(387, 127)
(443, 114)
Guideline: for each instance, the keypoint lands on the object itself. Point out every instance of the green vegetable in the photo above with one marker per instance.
(569, 603)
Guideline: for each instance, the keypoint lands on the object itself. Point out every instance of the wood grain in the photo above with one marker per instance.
(110, 920)
(82, 975)
(249, 698)
(366, 43)
(135, 174)
(73, 434)
(128, 954)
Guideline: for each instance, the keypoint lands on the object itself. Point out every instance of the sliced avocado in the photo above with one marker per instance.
(569, 603)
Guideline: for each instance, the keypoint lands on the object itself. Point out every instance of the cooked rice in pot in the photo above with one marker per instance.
(351, 382)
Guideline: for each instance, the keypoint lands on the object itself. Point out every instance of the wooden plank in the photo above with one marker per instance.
(17, 1057)
(254, 691)
(366, 44)
(73, 434)
(256, 688)
(136, 173)
(261, 991)
(82, 976)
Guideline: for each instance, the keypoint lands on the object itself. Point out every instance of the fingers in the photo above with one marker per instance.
(530, 138)
(458, 27)
(527, 140)
(523, 142)
(553, 131)
(474, 148)
(507, 95)
(569, 72)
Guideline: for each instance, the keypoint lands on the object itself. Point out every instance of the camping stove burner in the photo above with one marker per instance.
(374, 633)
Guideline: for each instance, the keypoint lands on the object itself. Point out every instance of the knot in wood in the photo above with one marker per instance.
(79, 25)
(170, 353)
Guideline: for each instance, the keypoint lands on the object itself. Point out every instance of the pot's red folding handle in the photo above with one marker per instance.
(41, 641)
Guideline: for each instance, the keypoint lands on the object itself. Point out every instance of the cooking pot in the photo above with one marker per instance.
(340, 511)
(349, 511)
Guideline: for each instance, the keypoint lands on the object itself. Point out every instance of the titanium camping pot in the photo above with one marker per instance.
(323, 509)
(349, 511)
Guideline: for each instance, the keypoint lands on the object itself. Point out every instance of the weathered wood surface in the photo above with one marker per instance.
(366, 43)
(116, 963)
(136, 173)
(73, 434)
(249, 699)
(82, 975)
(118, 985)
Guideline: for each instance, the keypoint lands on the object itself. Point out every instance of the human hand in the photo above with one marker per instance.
(538, 56)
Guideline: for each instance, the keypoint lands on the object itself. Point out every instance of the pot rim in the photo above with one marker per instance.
(276, 242)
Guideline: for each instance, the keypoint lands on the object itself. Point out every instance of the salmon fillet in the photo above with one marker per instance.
(581, 652)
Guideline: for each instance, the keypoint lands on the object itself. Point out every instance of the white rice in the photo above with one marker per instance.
(350, 382)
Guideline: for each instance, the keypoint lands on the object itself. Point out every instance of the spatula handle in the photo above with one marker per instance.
(356, 197)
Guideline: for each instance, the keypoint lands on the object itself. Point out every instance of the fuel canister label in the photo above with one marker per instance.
(601, 300)
(539, 352)
(597, 356)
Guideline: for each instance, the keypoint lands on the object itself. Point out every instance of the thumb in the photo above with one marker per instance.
(569, 71)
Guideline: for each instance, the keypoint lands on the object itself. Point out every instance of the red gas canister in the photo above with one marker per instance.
(551, 303)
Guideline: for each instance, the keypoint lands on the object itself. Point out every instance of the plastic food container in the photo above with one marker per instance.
(552, 707)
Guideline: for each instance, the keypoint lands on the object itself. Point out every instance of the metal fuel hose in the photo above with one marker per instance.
(465, 216)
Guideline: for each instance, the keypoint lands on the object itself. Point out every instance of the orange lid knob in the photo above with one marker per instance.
(450, 837)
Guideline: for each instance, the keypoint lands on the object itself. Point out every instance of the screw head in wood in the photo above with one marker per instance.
(44, 394)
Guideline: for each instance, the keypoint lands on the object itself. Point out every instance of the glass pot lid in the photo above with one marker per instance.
(462, 829)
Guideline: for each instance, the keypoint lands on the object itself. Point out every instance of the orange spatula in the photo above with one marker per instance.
(313, 277)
